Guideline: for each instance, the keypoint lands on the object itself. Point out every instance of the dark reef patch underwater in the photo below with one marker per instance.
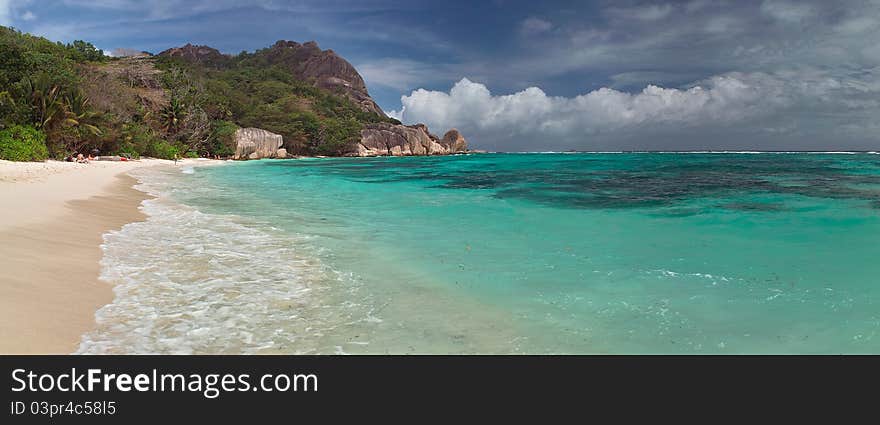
(632, 180)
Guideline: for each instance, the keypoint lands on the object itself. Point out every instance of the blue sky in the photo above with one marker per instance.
(554, 75)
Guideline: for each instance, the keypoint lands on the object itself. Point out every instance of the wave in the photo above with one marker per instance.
(191, 282)
(714, 279)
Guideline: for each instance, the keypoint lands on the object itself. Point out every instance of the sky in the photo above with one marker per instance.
(552, 75)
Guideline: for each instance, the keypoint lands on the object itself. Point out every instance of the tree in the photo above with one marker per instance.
(87, 51)
(80, 114)
(185, 120)
(7, 109)
(335, 136)
(195, 130)
(171, 116)
(47, 107)
(80, 122)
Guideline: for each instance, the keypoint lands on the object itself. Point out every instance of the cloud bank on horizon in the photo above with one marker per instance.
(770, 75)
(556, 75)
(782, 111)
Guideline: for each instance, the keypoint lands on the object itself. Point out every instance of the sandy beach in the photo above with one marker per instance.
(51, 223)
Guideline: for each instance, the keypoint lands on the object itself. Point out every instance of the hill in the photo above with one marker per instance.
(190, 100)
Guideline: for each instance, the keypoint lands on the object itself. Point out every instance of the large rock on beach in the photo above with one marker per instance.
(255, 143)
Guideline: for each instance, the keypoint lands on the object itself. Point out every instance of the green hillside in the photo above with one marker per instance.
(74, 99)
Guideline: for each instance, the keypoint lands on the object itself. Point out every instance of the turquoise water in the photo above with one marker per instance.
(506, 253)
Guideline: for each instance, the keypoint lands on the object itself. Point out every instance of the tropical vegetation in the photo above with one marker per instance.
(71, 98)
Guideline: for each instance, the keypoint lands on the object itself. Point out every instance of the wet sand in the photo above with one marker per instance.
(52, 219)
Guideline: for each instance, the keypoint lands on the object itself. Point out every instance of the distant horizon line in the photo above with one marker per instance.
(693, 151)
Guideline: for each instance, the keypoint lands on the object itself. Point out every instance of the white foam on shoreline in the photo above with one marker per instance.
(190, 282)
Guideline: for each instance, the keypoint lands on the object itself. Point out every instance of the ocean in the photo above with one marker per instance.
(685, 253)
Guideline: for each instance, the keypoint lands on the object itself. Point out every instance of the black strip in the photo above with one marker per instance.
(426, 388)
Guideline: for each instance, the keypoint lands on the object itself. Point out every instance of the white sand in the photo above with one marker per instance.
(38, 191)
(52, 218)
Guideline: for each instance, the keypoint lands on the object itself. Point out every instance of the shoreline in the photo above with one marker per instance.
(52, 225)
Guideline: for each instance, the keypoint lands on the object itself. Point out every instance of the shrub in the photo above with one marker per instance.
(137, 139)
(23, 143)
(162, 149)
(336, 136)
(128, 149)
(222, 140)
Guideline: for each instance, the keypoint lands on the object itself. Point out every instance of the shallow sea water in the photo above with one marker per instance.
(502, 253)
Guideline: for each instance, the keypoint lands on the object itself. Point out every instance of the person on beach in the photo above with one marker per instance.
(175, 159)
(81, 159)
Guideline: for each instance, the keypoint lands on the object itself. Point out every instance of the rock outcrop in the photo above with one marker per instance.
(203, 55)
(455, 141)
(255, 143)
(325, 69)
(384, 139)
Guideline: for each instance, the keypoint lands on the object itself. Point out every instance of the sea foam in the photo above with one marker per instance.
(190, 282)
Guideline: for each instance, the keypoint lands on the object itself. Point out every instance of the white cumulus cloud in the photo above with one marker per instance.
(533, 120)
(531, 112)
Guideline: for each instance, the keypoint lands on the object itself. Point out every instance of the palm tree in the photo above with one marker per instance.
(81, 119)
(171, 116)
(47, 105)
(79, 114)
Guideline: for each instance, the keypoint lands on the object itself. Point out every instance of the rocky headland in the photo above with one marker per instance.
(328, 71)
(383, 139)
